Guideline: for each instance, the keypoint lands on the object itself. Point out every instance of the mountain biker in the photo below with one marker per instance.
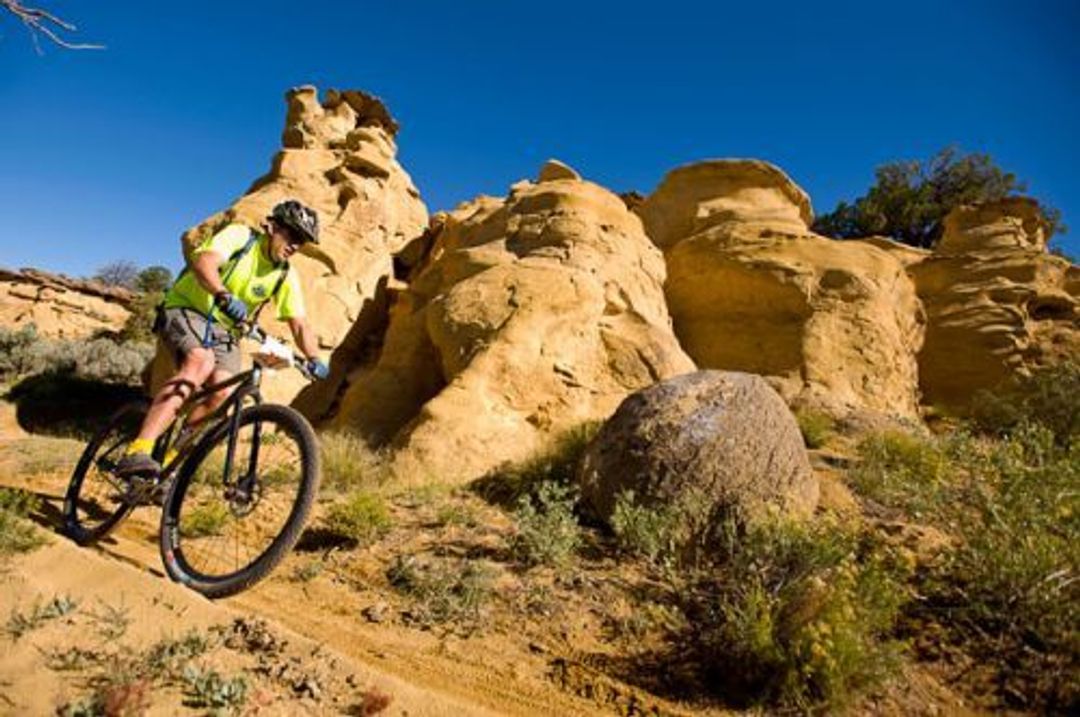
(228, 279)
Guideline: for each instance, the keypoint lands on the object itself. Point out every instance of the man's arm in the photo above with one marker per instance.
(305, 337)
(205, 267)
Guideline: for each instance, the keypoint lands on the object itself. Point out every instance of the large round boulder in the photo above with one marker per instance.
(722, 442)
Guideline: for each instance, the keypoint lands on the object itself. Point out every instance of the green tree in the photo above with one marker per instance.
(909, 200)
(153, 279)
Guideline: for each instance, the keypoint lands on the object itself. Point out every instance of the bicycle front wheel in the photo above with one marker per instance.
(96, 500)
(221, 536)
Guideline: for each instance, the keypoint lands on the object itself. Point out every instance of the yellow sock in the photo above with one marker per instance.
(140, 445)
(170, 456)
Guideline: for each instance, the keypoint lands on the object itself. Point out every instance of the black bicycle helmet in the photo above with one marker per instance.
(301, 219)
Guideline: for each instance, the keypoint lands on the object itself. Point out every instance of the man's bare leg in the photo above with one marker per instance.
(197, 366)
(209, 404)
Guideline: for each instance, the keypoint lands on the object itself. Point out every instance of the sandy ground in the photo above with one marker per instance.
(422, 672)
(319, 650)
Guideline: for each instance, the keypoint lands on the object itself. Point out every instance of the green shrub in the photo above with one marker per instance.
(17, 351)
(443, 592)
(1006, 590)
(1050, 397)
(20, 623)
(17, 534)
(308, 571)
(362, 517)
(650, 532)
(816, 427)
(547, 530)
(210, 689)
(139, 323)
(902, 470)
(558, 464)
(166, 658)
(24, 353)
(452, 513)
(798, 616)
(348, 462)
(206, 520)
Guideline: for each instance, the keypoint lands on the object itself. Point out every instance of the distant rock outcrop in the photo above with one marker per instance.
(59, 306)
(998, 304)
(339, 157)
(714, 444)
(751, 288)
(528, 316)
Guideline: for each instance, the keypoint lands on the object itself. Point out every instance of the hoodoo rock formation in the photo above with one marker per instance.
(750, 288)
(998, 304)
(339, 157)
(529, 315)
(61, 307)
(480, 336)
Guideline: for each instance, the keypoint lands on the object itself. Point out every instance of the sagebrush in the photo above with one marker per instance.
(1006, 589)
(23, 352)
(797, 615)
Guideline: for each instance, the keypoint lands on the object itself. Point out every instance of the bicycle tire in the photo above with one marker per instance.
(97, 488)
(175, 539)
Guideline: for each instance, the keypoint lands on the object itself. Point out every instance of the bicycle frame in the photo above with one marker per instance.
(247, 383)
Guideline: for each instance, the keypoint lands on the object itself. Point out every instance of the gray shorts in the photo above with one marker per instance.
(184, 330)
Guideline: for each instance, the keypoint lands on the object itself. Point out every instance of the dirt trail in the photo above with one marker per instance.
(425, 673)
(155, 608)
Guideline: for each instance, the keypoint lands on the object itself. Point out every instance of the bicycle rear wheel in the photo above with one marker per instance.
(220, 539)
(95, 501)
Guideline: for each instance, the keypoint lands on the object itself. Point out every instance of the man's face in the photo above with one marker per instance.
(283, 244)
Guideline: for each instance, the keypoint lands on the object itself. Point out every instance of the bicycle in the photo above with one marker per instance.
(237, 493)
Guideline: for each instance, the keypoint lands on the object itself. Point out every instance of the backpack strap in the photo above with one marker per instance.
(235, 258)
(240, 253)
(273, 293)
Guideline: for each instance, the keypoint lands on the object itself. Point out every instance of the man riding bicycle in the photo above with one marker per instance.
(228, 279)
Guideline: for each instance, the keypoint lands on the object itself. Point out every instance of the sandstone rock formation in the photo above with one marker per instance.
(711, 443)
(751, 288)
(61, 307)
(746, 198)
(997, 303)
(339, 157)
(528, 316)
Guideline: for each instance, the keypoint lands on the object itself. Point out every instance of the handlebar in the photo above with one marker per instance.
(256, 333)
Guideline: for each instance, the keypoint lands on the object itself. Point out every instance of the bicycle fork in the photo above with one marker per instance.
(242, 492)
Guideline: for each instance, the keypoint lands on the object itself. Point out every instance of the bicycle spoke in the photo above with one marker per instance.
(95, 500)
(223, 529)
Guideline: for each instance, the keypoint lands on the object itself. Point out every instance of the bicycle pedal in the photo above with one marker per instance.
(144, 490)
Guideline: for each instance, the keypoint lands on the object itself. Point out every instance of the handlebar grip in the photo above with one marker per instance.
(256, 333)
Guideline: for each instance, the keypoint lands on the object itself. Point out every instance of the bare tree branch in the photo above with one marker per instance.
(45, 23)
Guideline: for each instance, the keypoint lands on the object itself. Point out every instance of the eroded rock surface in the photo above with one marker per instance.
(997, 303)
(744, 197)
(528, 316)
(711, 444)
(750, 288)
(339, 156)
(59, 306)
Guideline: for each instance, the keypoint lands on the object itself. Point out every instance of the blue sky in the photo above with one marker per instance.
(111, 155)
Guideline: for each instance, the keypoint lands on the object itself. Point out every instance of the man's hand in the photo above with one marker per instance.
(318, 368)
(231, 306)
